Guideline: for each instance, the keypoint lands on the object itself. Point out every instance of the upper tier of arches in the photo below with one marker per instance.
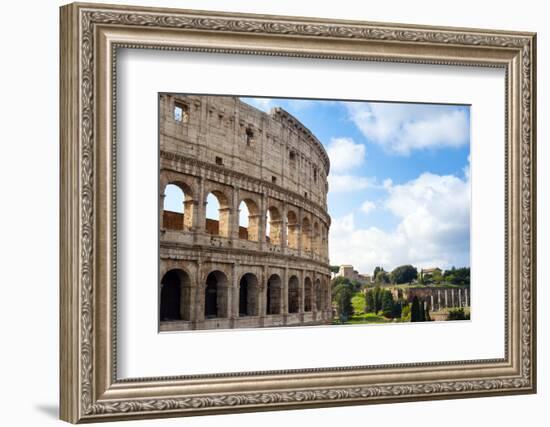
(214, 209)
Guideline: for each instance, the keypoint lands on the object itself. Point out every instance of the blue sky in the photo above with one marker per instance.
(399, 185)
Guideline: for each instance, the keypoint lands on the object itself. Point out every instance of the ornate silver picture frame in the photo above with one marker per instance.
(92, 35)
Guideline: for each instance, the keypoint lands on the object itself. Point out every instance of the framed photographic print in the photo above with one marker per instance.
(267, 212)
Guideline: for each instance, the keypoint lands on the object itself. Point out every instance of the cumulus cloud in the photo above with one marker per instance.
(368, 206)
(264, 104)
(433, 229)
(345, 154)
(347, 183)
(402, 128)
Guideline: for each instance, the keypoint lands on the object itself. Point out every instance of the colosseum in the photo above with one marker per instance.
(215, 273)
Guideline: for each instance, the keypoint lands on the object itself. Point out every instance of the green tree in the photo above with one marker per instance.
(340, 280)
(387, 303)
(377, 295)
(416, 312)
(382, 278)
(458, 276)
(406, 313)
(437, 277)
(376, 271)
(342, 296)
(370, 305)
(334, 268)
(356, 285)
(404, 274)
(397, 309)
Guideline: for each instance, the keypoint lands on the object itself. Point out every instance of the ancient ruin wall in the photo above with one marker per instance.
(221, 274)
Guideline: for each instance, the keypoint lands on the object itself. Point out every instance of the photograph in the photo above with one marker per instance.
(278, 212)
(344, 210)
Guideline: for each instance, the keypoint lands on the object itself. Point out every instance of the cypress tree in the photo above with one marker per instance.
(387, 303)
(415, 310)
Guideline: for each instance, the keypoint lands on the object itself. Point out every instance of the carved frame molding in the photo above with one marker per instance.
(90, 36)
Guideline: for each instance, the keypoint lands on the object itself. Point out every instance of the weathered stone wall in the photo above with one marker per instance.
(223, 275)
(437, 297)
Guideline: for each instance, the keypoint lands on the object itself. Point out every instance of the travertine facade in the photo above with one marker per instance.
(214, 273)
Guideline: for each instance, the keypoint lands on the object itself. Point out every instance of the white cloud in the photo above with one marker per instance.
(368, 206)
(433, 229)
(347, 183)
(264, 104)
(402, 128)
(345, 154)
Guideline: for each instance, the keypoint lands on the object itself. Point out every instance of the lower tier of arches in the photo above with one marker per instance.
(193, 296)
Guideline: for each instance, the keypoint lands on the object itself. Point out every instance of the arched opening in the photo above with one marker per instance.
(318, 295)
(316, 239)
(274, 226)
(215, 298)
(308, 295)
(306, 235)
(177, 211)
(249, 220)
(293, 295)
(248, 295)
(292, 230)
(175, 301)
(274, 289)
(217, 214)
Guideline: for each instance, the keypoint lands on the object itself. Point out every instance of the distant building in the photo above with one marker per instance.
(429, 272)
(347, 271)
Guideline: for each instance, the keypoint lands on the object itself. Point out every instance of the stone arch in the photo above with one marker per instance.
(275, 222)
(293, 295)
(215, 295)
(252, 229)
(306, 234)
(292, 229)
(248, 295)
(222, 226)
(274, 294)
(175, 301)
(308, 295)
(178, 219)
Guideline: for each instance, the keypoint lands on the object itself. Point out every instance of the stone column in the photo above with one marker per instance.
(299, 230)
(161, 211)
(438, 299)
(234, 219)
(459, 297)
(432, 301)
(192, 304)
(189, 213)
(453, 298)
(233, 293)
(284, 222)
(263, 291)
(199, 294)
(199, 220)
(446, 299)
(301, 290)
(262, 223)
(284, 290)
(466, 297)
